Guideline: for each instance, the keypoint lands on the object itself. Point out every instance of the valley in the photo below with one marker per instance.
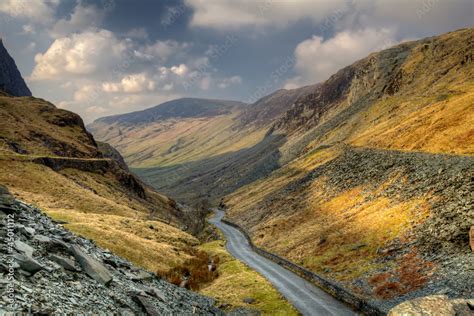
(353, 194)
(364, 178)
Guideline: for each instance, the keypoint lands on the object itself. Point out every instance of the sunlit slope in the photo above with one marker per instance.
(376, 171)
(415, 96)
(47, 158)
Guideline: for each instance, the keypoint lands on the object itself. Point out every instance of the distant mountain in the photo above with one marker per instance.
(180, 108)
(11, 80)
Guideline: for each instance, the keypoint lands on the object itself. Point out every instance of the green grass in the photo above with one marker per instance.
(236, 281)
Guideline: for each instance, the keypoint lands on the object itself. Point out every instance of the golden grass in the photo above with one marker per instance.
(147, 243)
(172, 141)
(325, 233)
(236, 281)
(445, 126)
(97, 207)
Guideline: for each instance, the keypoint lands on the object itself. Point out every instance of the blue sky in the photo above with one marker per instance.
(105, 57)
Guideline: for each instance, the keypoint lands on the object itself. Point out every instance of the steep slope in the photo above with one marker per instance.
(57, 272)
(49, 159)
(11, 80)
(376, 185)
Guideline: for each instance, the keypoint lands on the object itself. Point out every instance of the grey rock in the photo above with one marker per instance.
(66, 263)
(248, 300)
(42, 239)
(28, 264)
(93, 268)
(147, 305)
(24, 248)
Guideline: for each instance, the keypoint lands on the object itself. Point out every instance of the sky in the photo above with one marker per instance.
(105, 57)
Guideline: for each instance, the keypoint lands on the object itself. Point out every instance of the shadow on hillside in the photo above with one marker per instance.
(214, 177)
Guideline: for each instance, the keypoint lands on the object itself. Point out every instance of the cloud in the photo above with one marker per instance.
(230, 14)
(82, 18)
(161, 50)
(38, 11)
(180, 70)
(79, 54)
(130, 84)
(317, 59)
(227, 82)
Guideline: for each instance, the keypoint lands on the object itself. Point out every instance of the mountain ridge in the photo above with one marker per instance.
(11, 80)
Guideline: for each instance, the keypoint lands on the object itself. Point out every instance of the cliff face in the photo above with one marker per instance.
(11, 80)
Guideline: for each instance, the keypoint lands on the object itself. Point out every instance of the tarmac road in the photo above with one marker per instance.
(305, 297)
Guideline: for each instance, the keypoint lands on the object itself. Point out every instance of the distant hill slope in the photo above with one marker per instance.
(194, 157)
(11, 81)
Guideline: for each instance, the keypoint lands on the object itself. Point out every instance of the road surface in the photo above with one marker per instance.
(305, 297)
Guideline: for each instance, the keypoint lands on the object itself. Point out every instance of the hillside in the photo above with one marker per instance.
(375, 188)
(197, 157)
(49, 159)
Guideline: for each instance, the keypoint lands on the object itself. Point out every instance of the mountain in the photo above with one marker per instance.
(49, 159)
(199, 157)
(374, 185)
(11, 80)
(363, 178)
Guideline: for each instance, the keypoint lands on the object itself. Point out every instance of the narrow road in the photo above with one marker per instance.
(305, 297)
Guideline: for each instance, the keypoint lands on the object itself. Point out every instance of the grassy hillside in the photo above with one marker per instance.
(48, 158)
(374, 190)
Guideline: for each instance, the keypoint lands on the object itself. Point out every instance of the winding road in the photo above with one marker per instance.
(305, 297)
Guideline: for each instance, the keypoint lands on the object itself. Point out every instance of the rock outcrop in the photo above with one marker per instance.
(11, 80)
(45, 269)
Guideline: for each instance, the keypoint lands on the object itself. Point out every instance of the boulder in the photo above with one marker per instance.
(66, 263)
(42, 239)
(147, 305)
(24, 248)
(428, 305)
(93, 268)
(28, 264)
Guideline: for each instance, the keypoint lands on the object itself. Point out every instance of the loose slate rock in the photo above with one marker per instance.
(66, 263)
(28, 264)
(147, 305)
(24, 248)
(92, 267)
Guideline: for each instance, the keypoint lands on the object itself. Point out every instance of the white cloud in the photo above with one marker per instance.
(82, 18)
(205, 83)
(137, 83)
(133, 83)
(227, 82)
(228, 14)
(317, 59)
(38, 11)
(180, 70)
(86, 94)
(79, 54)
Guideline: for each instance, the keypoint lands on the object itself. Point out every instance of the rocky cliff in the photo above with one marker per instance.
(11, 80)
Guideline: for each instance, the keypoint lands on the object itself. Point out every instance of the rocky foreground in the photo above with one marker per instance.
(45, 269)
